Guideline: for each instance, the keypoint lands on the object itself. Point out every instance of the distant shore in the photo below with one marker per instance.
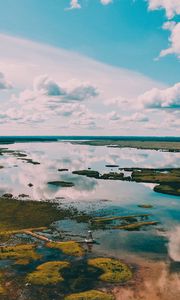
(170, 144)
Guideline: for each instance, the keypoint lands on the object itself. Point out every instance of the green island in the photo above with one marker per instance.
(48, 273)
(131, 222)
(135, 226)
(168, 180)
(145, 205)
(114, 270)
(90, 295)
(19, 155)
(68, 247)
(61, 183)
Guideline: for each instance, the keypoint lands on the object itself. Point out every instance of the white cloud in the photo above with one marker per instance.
(47, 99)
(161, 98)
(48, 91)
(45, 85)
(106, 2)
(4, 83)
(74, 4)
(58, 100)
(174, 39)
(136, 117)
(172, 7)
(113, 116)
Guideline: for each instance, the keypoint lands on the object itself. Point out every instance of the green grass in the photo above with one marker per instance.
(88, 173)
(114, 270)
(69, 247)
(90, 295)
(169, 181)
(48, 273)
(135, 226)
(171, 189)
(109, 219)
(18, 214)
(22, 254)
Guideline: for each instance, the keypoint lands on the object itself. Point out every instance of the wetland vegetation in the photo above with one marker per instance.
(43, 253)
(171, 146)
(168, 180)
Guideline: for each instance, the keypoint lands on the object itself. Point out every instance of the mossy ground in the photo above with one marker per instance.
(2, 289)
(90, 295)
(135, 226)
(22, 254)
(169, 179)
(131, 222)
(69, 247)
(18, 215)
(48, 273)
(114, 271)
(170, 189)
(155, 145)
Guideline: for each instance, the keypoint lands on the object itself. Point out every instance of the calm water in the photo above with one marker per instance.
(100, 196)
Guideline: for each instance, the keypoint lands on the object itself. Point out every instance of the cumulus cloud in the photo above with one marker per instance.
(46, 90)
(75, 4)
(172, 7)
(4, 83)
(174, 39)
(45, 85)
(48, 99)
(161, 98)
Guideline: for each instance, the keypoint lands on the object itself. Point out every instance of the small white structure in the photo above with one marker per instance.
(89, 238)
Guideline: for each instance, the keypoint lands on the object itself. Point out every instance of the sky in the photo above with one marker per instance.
(90, 67)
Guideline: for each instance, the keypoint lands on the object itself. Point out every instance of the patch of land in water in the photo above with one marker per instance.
(19, 215)
(61, 183)
(130, 223)
(170, 146)
(19, 155)
(168, 179)
(38, 276)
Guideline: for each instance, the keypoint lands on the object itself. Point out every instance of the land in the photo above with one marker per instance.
(170, 146)
(61, 183)
(70, 272)
(168, 179)
(114, 271)
(90, 295)
(129, 223)
(19, 155)
(19, 215)
(68, 247)
(48, 273)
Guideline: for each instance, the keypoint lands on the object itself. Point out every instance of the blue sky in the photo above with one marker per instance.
(122, 36)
